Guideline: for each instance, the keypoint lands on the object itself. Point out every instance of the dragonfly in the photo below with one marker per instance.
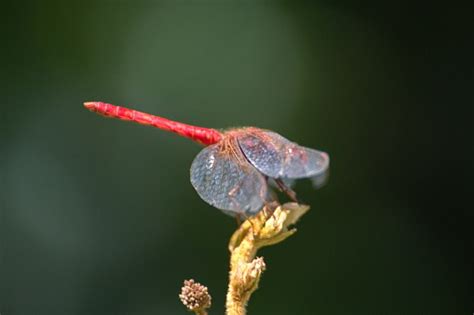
(238, 166)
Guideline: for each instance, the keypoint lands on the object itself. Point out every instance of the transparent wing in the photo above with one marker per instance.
(277, 157)
(227, 184)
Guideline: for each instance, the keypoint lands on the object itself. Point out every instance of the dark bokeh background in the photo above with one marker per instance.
(98, 216)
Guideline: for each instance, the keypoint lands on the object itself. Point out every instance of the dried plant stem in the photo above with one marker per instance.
(268, 227)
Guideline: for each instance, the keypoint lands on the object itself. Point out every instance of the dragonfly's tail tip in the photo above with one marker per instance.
(90, 105)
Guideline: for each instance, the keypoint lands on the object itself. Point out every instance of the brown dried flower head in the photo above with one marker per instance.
(195, 296)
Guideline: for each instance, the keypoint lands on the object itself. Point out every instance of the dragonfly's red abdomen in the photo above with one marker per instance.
(206, 136)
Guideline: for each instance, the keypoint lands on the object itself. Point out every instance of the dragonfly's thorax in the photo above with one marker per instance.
(241, 132)
(229, 145)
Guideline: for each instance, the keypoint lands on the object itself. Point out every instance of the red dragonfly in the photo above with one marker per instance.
(233, 171)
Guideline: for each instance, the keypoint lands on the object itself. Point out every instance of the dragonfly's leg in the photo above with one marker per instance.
(250, 221)
(269, 209)
(287, 190)
(266, 212)
(239, 219)
(269, 196)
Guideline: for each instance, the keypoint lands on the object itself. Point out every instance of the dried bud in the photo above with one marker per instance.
(250, 275)
(195, 296)
(253, 270)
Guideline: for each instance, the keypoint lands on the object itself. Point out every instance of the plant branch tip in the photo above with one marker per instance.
(270, 226)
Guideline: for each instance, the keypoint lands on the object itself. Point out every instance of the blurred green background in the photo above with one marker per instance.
(98, 216)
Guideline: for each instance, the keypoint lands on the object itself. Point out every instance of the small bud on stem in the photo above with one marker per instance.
(195, 297)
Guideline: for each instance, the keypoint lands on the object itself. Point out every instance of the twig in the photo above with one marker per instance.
(268, 227)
